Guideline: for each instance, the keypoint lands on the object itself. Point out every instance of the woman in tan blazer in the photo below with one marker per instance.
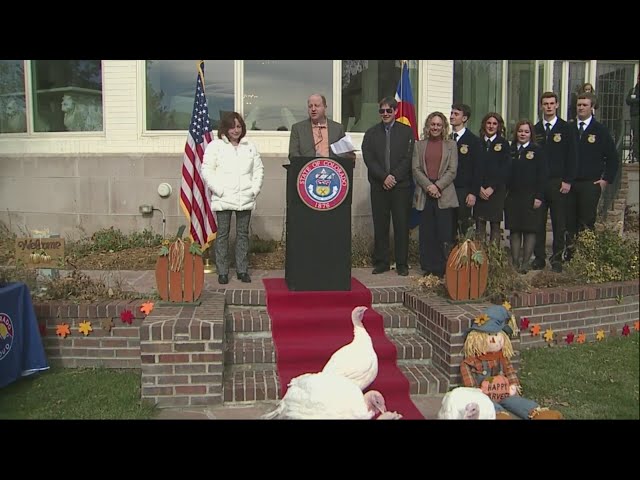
(435, 163)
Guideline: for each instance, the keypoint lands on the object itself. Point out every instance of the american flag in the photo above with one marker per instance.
(194, 195)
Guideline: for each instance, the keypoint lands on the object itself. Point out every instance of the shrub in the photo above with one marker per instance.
(503, 279)
(604, 256)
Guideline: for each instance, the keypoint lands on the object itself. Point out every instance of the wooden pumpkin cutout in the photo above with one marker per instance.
(180, 272)
(467, 272)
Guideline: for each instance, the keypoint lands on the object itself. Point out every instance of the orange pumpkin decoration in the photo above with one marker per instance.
(467, 272)
(496, 388)
(180, 273)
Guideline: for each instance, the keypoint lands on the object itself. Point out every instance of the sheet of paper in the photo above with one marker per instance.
(344, 145)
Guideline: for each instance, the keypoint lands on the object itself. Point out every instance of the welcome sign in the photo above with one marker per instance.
(40, 252)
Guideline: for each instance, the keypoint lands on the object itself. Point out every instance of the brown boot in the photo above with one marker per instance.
(545, 414)
(504, 416)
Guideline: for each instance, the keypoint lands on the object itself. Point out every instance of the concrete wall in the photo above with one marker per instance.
(75, 195)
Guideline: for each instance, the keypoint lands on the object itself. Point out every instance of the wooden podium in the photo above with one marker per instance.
(318, 255)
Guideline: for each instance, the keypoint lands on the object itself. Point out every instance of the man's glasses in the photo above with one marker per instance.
(385, 110)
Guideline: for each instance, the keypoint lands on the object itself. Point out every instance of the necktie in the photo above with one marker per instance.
(488, 144)
(581, 130)
(548, 129)
(520, 149)
(455, 137)
(387, 151)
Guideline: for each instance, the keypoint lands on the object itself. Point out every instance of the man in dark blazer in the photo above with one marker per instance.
(558, 142)
(469, 150)
(313, 137)
(387, 149)
(597, 166)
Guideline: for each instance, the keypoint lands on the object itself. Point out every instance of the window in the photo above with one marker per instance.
(171, 88)
(365, 83)
(12, 100)
(478, 83)
(577, 78)
(613, 81)
(67, 95)
(276, 91)
(520, 93)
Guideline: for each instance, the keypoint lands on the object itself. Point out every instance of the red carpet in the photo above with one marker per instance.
(307, 327)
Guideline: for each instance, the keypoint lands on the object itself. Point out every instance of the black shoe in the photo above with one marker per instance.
(223, 279)
(556, 267)
(244, 277)
(538, 264)
(402, 271)
(380, 269)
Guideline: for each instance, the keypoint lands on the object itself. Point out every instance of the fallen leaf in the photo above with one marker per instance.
(535, 330)
(548, 335)
(146, 308)
(626, 330)
(581, 338)
(569, 338)
(62, 329)
(524, 323)
(85, 327)
(636, 325)
(127, 316)
(106, 324)
(600, 335)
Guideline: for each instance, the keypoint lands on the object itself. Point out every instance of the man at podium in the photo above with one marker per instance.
(312, 137)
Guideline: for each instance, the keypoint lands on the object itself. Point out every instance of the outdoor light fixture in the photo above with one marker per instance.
(148, 210)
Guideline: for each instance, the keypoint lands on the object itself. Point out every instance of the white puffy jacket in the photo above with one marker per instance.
(234, 175)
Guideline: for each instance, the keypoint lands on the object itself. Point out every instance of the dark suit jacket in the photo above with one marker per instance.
(560, 150)
(597, 155)
(469, 151)
(302, 143)
(373, 146)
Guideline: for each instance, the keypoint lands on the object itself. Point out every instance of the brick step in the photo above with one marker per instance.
(256, 318)
(257, 297)
(259, 348)
(261, 383)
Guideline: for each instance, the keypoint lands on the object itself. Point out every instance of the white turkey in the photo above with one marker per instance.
(357, 360)
(466, 403)
(327, 396)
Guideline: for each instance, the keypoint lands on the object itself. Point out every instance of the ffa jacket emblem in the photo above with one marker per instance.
(498, 147)
(529, 155)
(557, 137)
(591, 138)
(464, 149)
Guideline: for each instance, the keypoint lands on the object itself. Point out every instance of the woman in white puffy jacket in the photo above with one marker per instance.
(233, 171)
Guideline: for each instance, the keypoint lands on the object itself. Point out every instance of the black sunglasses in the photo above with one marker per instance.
(385, 110)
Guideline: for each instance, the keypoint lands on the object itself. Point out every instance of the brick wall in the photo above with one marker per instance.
(577, 309)
(181, 351)
(118, 348)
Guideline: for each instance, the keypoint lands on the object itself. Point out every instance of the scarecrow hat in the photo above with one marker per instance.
(494, 319)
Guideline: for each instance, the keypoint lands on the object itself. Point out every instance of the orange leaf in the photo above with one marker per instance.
(535, 330)
(85, 327)
(581, 338)
(636, 325)
(146, 308)
(62, 329)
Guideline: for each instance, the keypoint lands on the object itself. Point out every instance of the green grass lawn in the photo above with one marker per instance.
(589, 381)
(66, 393)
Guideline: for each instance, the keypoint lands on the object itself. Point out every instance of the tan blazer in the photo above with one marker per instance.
(446, 175)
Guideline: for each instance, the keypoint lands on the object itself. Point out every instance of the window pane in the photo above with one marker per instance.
(577, 74)
(613, 82)
(67, 95)
(520, 82)
(478, 83)
(12, 103)
(276, 91)
(365, 83)
(171, 88)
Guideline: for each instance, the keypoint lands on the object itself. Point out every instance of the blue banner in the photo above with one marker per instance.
(21, 349)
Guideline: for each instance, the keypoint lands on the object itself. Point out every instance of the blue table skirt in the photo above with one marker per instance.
(21, 349)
